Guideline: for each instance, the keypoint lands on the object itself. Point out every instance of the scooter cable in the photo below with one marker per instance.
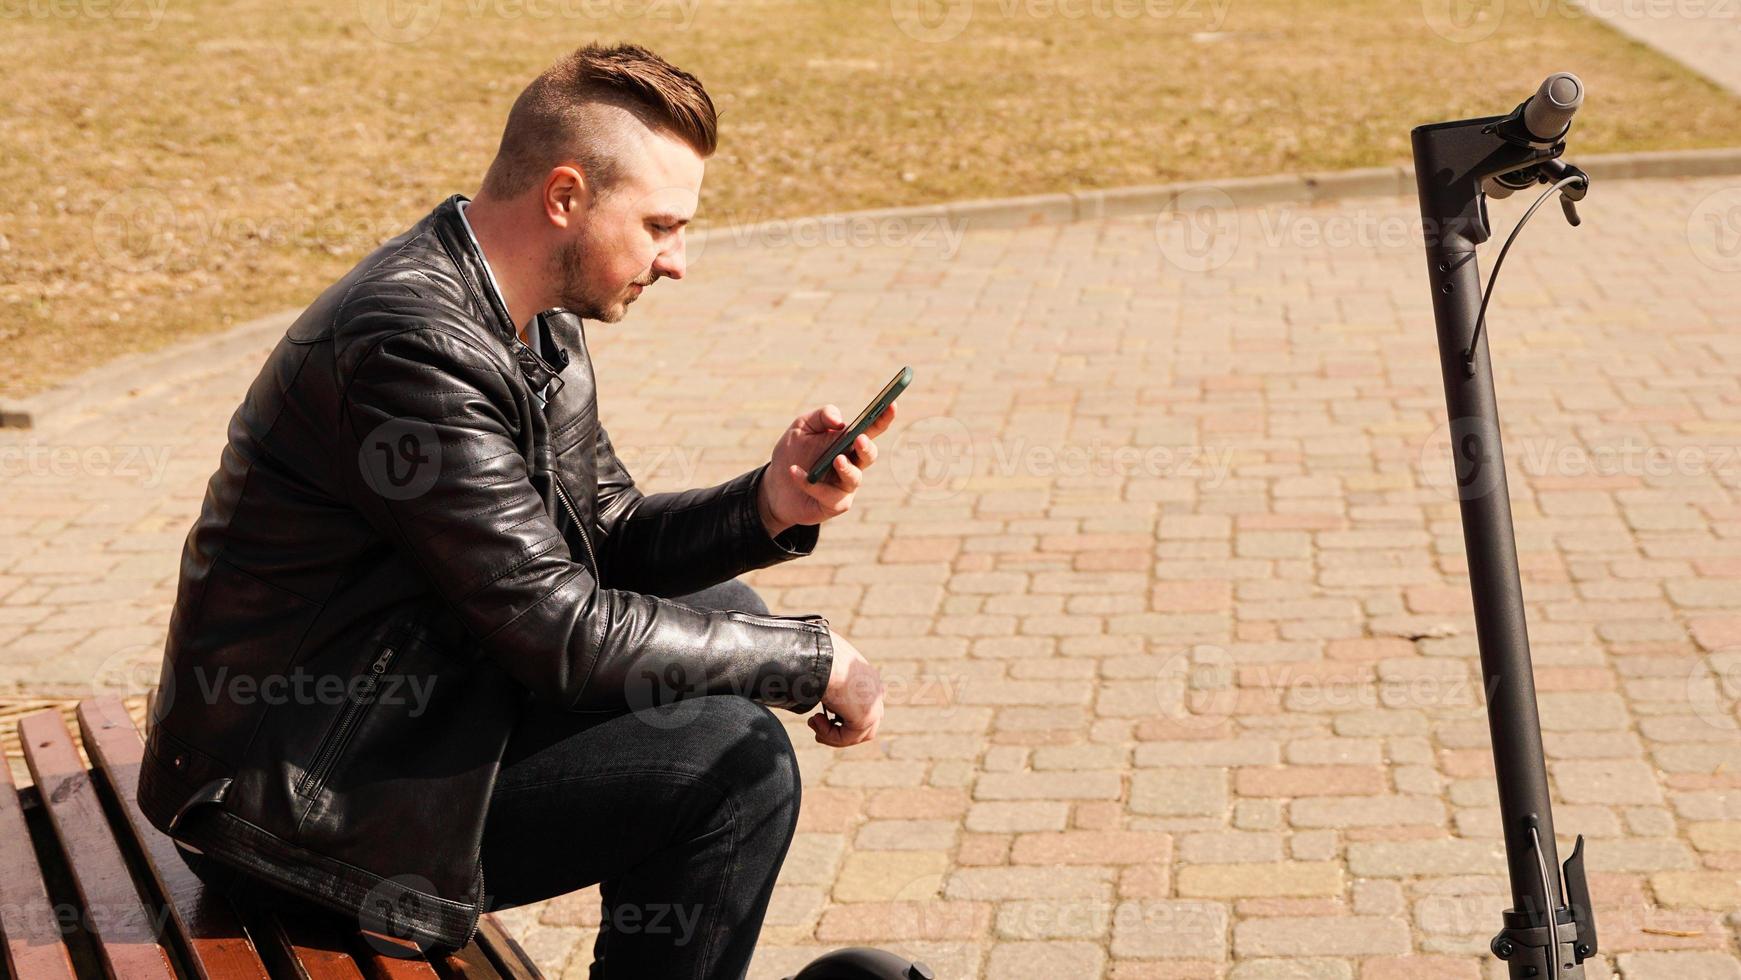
(1492, 277)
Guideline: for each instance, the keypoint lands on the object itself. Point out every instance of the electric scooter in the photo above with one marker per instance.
(1550, 930)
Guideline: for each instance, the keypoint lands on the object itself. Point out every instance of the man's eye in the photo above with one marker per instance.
(664, 229)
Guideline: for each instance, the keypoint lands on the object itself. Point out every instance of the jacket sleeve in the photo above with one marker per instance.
(680, 542)
(431, 422)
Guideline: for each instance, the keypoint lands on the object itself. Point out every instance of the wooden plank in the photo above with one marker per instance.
(34, 944)
(300, 947)
(385, 957)
(218, 947)
(510, 958)
(118, 920)
(470, 963)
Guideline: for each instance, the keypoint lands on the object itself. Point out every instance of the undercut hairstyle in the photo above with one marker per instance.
(580, 109)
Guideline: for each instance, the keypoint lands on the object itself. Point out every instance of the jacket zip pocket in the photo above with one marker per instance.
(339, 734)
(585, 538)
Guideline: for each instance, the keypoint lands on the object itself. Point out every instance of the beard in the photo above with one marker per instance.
(571, 291)
(573, 294)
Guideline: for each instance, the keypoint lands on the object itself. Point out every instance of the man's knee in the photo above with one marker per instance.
(737, 594)
(731, 594)
(754, 755)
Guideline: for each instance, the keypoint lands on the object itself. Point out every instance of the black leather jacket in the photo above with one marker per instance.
(400, 547)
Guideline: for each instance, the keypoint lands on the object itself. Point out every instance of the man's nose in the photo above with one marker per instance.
(670, 262)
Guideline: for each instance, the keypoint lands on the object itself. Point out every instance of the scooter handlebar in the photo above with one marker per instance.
(1549, 111)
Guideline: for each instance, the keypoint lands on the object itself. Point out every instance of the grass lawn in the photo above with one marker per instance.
(174, 166)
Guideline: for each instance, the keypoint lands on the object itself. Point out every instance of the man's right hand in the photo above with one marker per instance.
(854, 696)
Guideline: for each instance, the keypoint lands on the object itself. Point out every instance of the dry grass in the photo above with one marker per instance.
(174, 166)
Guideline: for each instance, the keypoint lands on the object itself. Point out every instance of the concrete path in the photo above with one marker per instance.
(1705, 35)
(1164, 571)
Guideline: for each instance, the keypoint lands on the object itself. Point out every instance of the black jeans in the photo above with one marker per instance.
(682, 814)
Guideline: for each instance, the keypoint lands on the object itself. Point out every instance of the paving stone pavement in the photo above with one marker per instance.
(1162, 566)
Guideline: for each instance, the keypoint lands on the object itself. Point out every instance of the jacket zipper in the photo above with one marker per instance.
(335, 740)
(585, 538)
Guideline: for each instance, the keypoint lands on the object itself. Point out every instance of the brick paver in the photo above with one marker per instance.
(1162, 570)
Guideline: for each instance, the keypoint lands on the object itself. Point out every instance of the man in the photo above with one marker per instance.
(429, 632)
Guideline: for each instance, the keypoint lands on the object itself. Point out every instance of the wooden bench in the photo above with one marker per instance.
(88, 888)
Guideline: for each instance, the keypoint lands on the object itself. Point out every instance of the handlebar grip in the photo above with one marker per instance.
(1550, 109)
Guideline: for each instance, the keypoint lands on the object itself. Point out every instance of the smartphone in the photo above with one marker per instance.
(825, 464)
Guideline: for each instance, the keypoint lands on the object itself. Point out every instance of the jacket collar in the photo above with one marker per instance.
(560, 328)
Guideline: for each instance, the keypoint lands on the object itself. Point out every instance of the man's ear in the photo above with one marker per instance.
(565, 194)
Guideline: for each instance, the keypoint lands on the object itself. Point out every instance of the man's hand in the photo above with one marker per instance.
(854, 696)
(787, 498)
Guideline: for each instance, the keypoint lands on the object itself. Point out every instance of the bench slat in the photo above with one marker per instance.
(510, 958)
(218, 947)
(378, 964)
(34, 945)
(118, 919)
(308, 949)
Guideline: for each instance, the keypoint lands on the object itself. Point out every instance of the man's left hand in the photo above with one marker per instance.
(788, 498)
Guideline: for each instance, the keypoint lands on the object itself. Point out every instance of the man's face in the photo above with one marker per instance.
(632, 234)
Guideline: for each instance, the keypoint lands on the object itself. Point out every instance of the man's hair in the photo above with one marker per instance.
(578, 109)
